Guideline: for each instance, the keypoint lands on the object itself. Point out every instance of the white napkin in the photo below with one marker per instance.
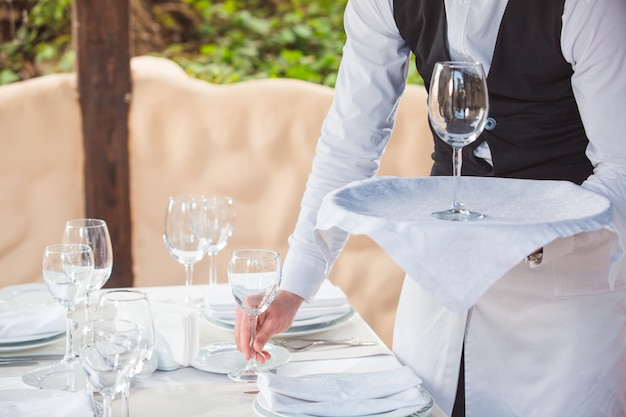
(341, 395)
(458, 261)
(22, 319)
(177, 338)
(330, 302)
(27, 403)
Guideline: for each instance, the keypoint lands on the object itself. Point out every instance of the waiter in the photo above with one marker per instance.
(543, 341)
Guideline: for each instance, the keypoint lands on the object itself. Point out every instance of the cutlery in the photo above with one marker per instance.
(30, 358)
(299, 345)
(17, 363)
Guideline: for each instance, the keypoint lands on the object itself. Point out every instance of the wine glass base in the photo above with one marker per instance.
(458, 215)
(244, 375)
(66, 376)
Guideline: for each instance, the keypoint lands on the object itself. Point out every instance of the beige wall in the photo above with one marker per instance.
(252, 140)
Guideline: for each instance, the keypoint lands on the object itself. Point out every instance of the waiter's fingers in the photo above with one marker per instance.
(242, 333)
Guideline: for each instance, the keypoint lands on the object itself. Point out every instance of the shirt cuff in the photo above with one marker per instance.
(302, 275)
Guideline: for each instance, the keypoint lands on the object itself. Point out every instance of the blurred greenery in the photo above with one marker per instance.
(221, 41)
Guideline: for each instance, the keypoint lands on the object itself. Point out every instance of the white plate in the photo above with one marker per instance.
(26, 395)
(221, 358)
(308, 327)
(10, 341)
(419, 411)
(24, 296)
(31, 344)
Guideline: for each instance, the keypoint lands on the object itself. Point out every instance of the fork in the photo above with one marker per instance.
(299, 345)
(23, 360)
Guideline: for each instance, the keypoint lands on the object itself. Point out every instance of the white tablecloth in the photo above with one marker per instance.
(189, 392)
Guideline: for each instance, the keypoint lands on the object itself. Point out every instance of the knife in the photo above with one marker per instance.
(39, 357)
(17, 363)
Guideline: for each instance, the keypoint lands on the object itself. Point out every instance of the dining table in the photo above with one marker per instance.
(192, 392)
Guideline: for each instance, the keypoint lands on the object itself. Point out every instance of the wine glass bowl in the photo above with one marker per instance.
(458, 105)
(132, 305)
(253, 276)
(67, 268)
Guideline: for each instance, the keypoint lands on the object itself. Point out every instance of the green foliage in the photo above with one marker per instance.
(221, 41)
(241, 40)
(41, 44)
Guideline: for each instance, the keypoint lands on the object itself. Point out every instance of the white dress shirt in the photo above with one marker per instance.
(372, 77)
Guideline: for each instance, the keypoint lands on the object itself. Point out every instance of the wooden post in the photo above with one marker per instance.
(101, 31)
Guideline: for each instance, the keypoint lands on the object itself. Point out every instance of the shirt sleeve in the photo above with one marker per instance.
(593, 41)
(371, 79)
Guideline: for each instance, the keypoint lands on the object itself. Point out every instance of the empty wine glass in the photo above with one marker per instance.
(109, 349)
(95, 233)
(220, 225)
(220, 222)
(182, 233)
(67, 268)
(254, 276)
(458, 104)
(132, 305)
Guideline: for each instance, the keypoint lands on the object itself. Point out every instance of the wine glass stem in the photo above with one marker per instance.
(106, 405)
(457, 161)
(188, 281)
(252, 365)
(125, 399)
(212, 269)
(87, 305)
(69, 336)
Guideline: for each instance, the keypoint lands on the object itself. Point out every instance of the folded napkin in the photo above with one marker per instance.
(177, 339)
(341, 395)
(37, 403)
(330, 302)
(458, 261)
(30, 316)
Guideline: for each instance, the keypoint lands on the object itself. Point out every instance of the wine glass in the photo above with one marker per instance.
(254, 276)
(132, 305)
(95, 233)
(109, 349)
(457, 109)
(220, 222)
(182, 233)
(67, 268)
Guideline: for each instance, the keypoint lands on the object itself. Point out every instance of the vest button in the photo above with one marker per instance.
(491, 123)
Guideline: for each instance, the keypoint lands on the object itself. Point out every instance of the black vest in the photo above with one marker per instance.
(538, 132)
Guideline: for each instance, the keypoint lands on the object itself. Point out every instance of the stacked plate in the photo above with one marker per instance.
(329, 309)
(263, 410)
(29, 318)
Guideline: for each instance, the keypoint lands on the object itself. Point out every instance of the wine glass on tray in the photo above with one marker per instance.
(253, 276)
(95, 234)
(67, 270)
(183, 233)
(458, 104)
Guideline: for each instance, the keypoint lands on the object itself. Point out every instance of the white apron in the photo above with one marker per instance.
(542, 342)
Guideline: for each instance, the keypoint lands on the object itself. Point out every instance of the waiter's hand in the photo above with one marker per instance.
(276, 319)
